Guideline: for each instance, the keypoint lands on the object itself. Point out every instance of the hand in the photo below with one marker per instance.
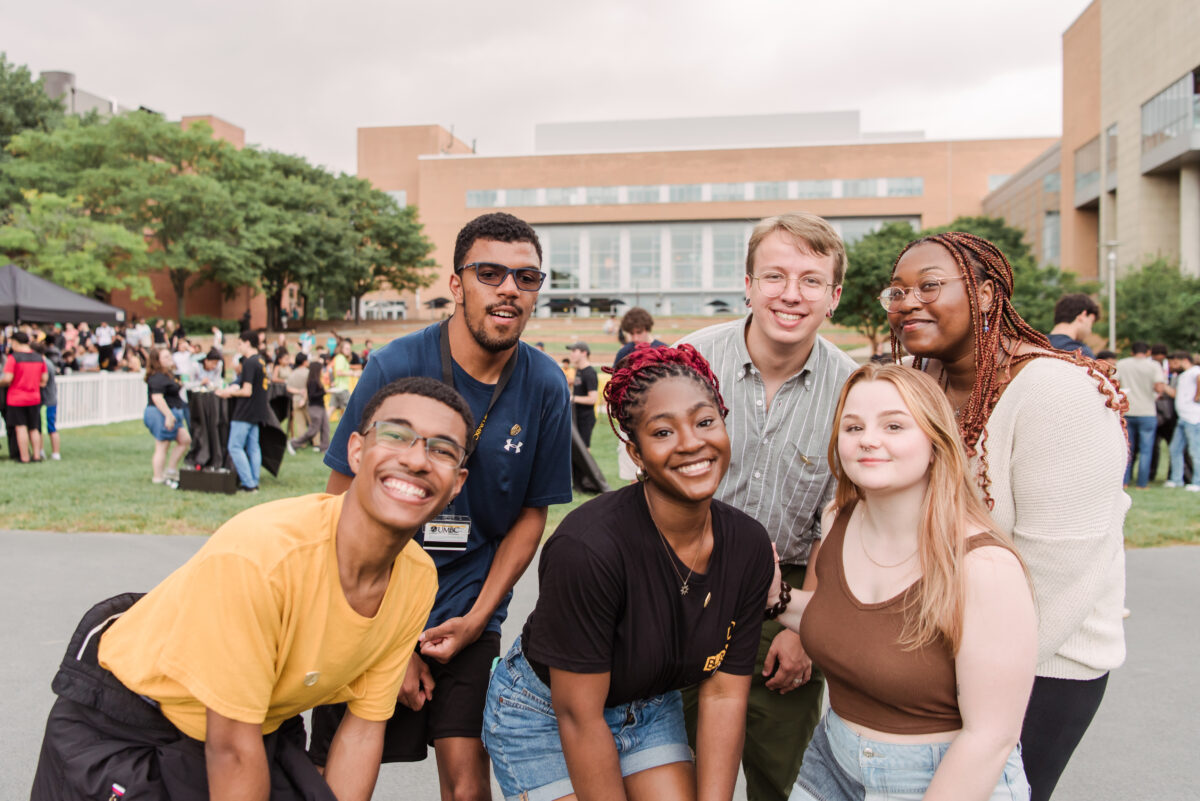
(169, 422)
(418, 685)
(794, 667)
(776, 580)
(444, 641)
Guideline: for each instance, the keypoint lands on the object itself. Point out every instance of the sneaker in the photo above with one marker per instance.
(171, 483)
(1172, 484)
(1192, 488)
(56, 457)
(290, 449)
(247, 489)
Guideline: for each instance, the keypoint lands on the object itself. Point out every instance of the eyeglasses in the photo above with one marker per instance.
(527, 279)
(812, 287)
(399, 437)
(926, 291)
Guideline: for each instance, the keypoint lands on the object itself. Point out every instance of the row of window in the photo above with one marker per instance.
(695, 193)
(662, 256)
(1172, 112)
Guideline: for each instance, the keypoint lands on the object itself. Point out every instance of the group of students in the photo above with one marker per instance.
(906, 527)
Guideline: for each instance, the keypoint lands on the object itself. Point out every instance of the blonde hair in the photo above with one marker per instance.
(950, 508)
(811, 233)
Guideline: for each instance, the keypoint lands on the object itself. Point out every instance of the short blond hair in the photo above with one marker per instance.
(812, 233)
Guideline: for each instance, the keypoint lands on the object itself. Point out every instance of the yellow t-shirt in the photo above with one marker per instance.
(256, 626)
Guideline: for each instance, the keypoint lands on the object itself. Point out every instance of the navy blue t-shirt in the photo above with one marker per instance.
(1064, 342)
(522, 459)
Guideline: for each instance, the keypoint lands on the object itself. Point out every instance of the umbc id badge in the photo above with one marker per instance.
(447, 532)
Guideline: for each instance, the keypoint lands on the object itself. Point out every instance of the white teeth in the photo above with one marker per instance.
(404, 488)
(791, 318)
(507, 315)
(694, 468)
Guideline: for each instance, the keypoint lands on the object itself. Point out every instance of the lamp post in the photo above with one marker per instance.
(1112, 294)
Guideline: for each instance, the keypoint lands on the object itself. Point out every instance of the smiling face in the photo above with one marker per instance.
(680, 439)
(495, 315)
(790, 319)
(402, 489)
(880, 445)
(942, 329)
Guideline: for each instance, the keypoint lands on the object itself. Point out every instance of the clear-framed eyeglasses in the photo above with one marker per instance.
(772, 284)
(926, 291)
(399, 437)
(527, 279)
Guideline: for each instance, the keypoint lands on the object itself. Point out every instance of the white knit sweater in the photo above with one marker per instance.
(1056, 460)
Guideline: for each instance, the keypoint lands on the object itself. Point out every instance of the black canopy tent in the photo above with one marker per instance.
(27, 298)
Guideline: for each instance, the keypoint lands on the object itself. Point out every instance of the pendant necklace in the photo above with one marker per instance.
(863, 544)
(683, 582)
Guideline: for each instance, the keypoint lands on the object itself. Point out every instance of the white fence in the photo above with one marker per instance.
(89, 399)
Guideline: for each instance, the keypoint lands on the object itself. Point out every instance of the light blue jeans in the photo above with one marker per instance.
(245, 453)
(1186, 435)
(1141, 441)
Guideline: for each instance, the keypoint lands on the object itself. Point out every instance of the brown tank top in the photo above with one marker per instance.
(873, 681)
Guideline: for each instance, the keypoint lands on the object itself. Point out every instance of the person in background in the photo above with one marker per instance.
(282, 367)
(211, 374)
(318, 416)
(1074, 316)
(308, 340)
(1186, 439)
(368, 349)
(340, 375)
(297, 387)
(922, 619)
(50, 404)
(185, 364)
(1164, 408)
(1108, 357)
(584, 391)
(250, 411)
(70, 336)
(218, 339)
(1022, 409)
(24, 375)
(1142, 380)
(105, 336)
(165, 418)
(638, 324)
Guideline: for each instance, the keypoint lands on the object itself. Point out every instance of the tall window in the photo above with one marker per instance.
(1051, 238)
(645, 257)
(729, 254)
(562, 256)
(687, 244)
(604, 255)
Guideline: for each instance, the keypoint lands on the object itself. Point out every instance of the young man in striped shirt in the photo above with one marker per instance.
(781, 381)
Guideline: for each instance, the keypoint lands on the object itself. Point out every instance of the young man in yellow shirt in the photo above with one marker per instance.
(197, 689)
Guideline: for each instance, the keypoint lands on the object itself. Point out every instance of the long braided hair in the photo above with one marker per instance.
(625, 392)
(998, 334)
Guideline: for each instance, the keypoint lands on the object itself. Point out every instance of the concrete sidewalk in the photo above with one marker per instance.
(1138, 747)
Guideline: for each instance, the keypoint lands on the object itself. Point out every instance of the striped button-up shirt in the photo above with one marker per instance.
(779, 470)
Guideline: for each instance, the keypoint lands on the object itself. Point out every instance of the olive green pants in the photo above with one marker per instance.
(778, 727)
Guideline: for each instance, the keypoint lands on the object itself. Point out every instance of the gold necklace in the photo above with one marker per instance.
(863, 544)
(683, 582)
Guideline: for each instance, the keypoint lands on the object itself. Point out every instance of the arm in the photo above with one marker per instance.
(235, 760)
(786, 649)
(720, 731)
(994, 669)
(587, 742)
(242, 390)
(161, 404)
(513, 555)
(354, 757)
(5, 379)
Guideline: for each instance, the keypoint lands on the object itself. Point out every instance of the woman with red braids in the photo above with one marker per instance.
(643, 591)
(1044, 433)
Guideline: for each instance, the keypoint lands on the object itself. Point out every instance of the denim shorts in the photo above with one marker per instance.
(839, 765)
(155, 421)
(520, 733)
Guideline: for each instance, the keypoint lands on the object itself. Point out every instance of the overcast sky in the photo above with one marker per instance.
(301, 76)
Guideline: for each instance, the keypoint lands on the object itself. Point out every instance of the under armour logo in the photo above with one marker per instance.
(509, 445)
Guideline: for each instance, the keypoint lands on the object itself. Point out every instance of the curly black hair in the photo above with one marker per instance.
(497, 226)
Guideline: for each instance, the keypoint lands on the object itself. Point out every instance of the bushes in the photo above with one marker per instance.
(195, 324)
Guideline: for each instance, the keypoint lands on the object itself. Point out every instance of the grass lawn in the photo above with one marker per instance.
(103, 484)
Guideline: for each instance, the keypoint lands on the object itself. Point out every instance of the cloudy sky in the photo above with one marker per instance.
(301, 76)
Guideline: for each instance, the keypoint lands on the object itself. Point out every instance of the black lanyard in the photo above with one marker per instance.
(448, 378)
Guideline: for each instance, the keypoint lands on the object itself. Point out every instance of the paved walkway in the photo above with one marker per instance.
(1139, 746)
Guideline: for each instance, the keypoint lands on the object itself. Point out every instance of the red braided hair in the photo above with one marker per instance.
(996, 344)
(643, 368)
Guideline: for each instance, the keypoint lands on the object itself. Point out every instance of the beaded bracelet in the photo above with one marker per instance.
(785, 595)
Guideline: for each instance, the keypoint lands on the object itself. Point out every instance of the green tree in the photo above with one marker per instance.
(24, 106)
(53, 237)
(1159, 304)
(868, 272)
(153, 178)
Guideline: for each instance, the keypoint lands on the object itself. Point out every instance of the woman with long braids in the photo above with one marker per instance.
(1044, 433)
(643, 591)
(922, 620)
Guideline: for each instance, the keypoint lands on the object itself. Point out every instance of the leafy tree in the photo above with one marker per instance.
(1159, 304)
(24, 105)
(55, 239)
(153, 178)
(868, 272)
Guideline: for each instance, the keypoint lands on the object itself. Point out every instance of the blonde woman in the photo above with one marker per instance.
(923, 619)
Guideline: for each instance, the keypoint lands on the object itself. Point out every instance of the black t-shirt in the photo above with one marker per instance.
(252, 409)
(314, 388)
(609, 599)
(586, 381)
(628, 347)
(168, 387)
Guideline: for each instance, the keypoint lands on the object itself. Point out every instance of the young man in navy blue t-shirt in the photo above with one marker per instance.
(482, 543)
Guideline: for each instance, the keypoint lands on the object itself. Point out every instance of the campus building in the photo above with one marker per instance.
(656, 213)
(1123, 184)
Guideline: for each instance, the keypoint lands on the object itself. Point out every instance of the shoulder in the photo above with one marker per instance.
(540, 371)
(714, 335)
(599, 525)
(751, 534)
(1050, 378)
(275, 532)
(992, 565)
(395, 358)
